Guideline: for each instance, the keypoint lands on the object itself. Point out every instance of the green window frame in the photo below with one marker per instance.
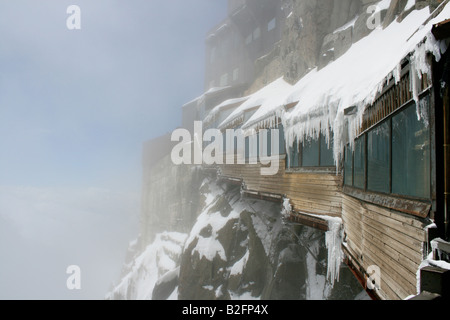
(411, 155)
(393, 157)
(359, 163)
(348, 166)
(379, 158)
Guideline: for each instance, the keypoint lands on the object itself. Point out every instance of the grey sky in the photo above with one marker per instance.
(75, 108)
(81, 102)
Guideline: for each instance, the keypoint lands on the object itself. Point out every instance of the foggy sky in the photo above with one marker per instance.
(75, 108)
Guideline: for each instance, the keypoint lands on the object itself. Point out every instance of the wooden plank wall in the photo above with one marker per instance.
(316, 193)
(391, 240)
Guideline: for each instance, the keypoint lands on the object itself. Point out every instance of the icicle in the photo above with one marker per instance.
(287, 208)
(333, 241)
(420, 68)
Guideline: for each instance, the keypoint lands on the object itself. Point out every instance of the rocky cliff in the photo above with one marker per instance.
(238, 248)
(169, 201)
(234, 247)
(318, 32)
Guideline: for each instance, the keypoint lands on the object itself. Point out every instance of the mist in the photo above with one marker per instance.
(76, 107)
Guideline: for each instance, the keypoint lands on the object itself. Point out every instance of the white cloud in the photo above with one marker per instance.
(45, 230)
(75, 108)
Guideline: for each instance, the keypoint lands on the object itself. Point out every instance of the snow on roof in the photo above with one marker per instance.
(267, 99)
(270, 107)
(223, 105)
(354, 79)
(210, 91)
(358, 76)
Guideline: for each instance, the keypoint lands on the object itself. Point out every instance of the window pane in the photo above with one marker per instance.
(359, 163)
(410, 155)
(265, 142)
(253, 148)
(247, 148)
(326, 152)
(293, 158)
(281, 143)
(224, 136)
(348, 166)
(378, 157)
(310, 153)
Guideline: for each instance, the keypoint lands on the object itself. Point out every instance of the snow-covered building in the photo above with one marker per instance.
(364, 139)
(347, 103)
(251, 31)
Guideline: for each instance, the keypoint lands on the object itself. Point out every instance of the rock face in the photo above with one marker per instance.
(318, 32)
(253, 253)
(151, 273)
(241, 247)
(238, 248)
(169, 199)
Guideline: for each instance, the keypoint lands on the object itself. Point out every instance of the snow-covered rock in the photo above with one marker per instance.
(157, 264)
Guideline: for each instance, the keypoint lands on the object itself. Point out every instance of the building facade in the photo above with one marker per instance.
(363, 129)
(378, 163)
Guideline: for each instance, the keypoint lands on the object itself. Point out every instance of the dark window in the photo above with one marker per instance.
(359, 163)
(310, 153)
(293, 159)
(252, 148)
(266, 142)
(410, 155)
(224, 136)
(326, 152)
(398, 156)
(378, 158)
(247, 148)
(282, 140)
(348, 166)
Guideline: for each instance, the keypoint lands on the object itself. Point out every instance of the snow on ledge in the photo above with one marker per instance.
(429, 261)
(334, 242)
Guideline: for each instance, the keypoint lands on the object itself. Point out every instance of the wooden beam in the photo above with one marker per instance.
(441, 30)
(310, 221)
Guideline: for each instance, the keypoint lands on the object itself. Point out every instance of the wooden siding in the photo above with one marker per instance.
(375, 235)
(391, 240)
(316, 193)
